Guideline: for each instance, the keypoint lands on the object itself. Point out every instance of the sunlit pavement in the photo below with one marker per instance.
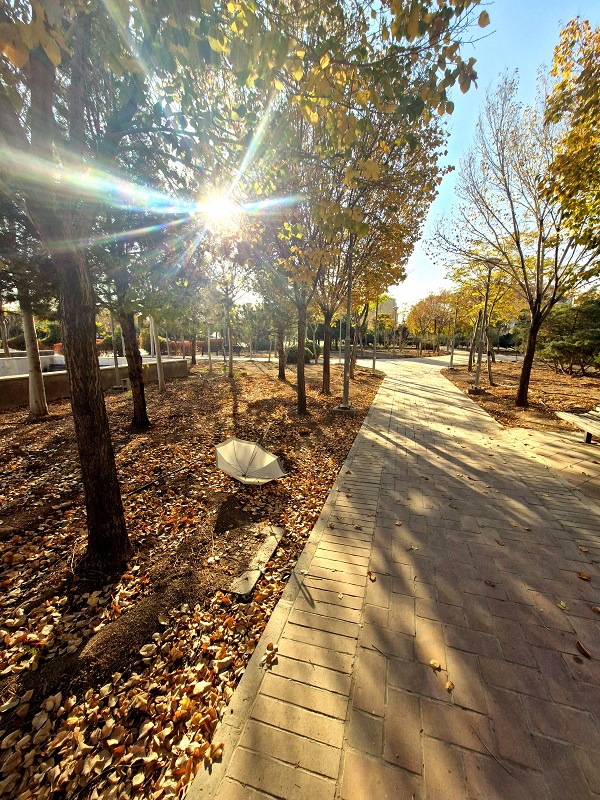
(434, 641)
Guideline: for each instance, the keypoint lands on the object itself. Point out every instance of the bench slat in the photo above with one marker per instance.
(583, 421)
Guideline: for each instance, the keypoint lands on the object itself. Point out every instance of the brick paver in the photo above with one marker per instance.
(474, 535)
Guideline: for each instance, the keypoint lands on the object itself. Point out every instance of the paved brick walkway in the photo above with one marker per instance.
(473, 541)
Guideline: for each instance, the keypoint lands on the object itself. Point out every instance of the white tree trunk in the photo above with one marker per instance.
(229, 337)
(159, 365)
(3, 330)
(115, 354)
(208, 348)
(38, 408)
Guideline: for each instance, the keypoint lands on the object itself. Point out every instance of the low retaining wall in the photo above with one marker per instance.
(14, 391)
(17, 365)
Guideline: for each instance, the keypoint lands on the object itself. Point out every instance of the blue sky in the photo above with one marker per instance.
(522, 35)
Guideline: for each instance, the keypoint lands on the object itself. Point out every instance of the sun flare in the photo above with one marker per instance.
(220, 212)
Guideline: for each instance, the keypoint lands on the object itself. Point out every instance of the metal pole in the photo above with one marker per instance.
(394, 331)
(453, 337)
(347, 344)
(375, 333)
(483, 323)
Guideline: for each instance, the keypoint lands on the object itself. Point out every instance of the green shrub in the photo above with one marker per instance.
(309, 346)
(145, 342)
(17, 342)
(145, 339)
(106, 345)
(49, 332)
(292, 355)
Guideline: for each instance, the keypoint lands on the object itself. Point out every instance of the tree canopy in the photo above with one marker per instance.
(574, 176)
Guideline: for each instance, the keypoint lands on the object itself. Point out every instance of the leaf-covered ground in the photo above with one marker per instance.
(114, 690)
(549, 392)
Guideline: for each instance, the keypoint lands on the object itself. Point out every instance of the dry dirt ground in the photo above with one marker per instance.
(549, 392)
(113, 690)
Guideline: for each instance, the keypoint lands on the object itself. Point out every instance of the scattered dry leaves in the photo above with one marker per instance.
(114, 690)
(549, 392)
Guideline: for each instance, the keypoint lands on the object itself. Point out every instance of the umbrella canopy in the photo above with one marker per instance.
(248, 461)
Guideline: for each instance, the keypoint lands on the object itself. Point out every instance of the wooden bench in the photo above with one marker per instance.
(588, 422)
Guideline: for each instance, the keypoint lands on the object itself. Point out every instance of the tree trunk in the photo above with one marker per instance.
(108, 544)
(490, 356)
(117, 384)
(281, 353)
(3, 330)
(474, 342)
(38, 408)
(151, 337)
(160, 373)
(208, 350)
(314, 343)
(140, 419)
(354, 349)
(230, 342)
(326, 385)
(301, 377)
(193, 361)
(523, 390)
(375, 324)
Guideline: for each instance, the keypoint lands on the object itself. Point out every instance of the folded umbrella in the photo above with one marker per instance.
(248, 462)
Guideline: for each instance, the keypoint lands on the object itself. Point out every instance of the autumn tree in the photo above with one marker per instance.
(429, 317)
(470, 280)
(573, 178)
(503, 217)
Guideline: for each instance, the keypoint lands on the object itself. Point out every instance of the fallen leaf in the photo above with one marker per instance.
(216, 750)
(583, 650)
(499, 542)
(371, 576)
(490, 583)
(435, 665)
(584, 549)
(449, 686)
(14, 701)
(137, 779)
(595, 609)
(398, 523)
(562, 605)
(340, 595)
(584, 576)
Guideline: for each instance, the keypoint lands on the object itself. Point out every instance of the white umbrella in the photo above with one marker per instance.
(248, 461)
